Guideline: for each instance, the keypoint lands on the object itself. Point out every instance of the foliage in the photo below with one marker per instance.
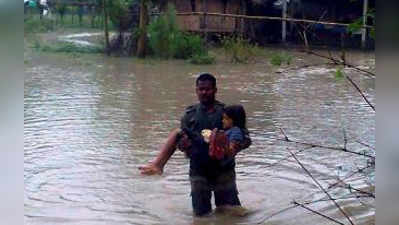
(357, 25)
(32, 25)
(65, 48)
(280, 58)
(202, 59)
(239, 50)
(162, 32)
(187, 45)
(60, 7)
(119, 13)
(167, 41)
(339, 74)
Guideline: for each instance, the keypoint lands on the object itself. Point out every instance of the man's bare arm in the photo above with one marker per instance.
(165, 152)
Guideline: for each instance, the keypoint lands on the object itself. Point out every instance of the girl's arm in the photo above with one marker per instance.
(233, 148)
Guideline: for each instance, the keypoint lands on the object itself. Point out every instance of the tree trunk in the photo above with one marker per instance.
(80, 15)
(106, 27)
(141, 42)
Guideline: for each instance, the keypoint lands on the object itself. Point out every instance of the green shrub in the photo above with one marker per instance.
(239, 50)
(66, 48)
(72, 48)
(339, 74)
(167, 41)
(280, 58)
(162, 32)
(33, 25)
(276, 60)
(202, 59)
(186, 45)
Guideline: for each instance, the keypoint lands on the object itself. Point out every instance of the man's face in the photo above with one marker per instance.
(205, 92)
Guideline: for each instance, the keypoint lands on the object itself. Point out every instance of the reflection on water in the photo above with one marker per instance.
(88, 128)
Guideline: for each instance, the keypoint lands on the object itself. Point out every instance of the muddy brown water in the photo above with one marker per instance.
(90, 121)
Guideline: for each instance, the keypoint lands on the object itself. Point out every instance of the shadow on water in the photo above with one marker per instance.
(87, 127)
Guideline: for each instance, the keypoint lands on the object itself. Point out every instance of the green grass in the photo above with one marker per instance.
(240, 50)
(277, 59)
(65, 48)
(202, 59)
(339, 74)
(33, 23)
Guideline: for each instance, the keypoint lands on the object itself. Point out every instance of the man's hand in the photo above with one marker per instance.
(184, 142)
(151, 169)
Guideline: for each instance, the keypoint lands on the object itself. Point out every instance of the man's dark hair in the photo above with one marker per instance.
(237, 114)
(204, 77)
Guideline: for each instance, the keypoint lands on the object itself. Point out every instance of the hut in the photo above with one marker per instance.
(336, 11)
(209, 23)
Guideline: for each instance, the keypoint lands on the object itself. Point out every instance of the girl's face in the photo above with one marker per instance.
(227, 122)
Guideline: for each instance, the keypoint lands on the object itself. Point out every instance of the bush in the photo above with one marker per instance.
(239, 50)
(167, 41)
(33, 25)
(185, 46)
(65, 48)
(162, 32)
(202, 59)
(280, 58)
(72, 48)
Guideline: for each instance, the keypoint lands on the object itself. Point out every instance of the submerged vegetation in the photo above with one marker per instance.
(32, 25)
(277, 59)
(64, 47)
(166, 40)
(239, 50)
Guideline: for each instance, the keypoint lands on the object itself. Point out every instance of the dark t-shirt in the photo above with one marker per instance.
(195, 119)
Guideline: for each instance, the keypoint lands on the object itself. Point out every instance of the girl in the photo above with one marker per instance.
(224, 146)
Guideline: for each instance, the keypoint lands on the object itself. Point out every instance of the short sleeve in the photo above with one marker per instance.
(187, 117)
(235, 134)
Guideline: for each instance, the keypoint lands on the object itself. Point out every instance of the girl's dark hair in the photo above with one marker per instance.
(237, 114)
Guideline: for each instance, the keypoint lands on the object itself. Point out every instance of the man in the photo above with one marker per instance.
(206, 174)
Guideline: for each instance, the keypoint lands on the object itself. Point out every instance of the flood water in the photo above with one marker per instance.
(90, 121)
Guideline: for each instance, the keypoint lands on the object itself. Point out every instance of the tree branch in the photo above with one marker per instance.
(360, 91)
(349, 176)
(318, 213)
(339, 62)
(326, 147)
(321, 187)
(283, 159)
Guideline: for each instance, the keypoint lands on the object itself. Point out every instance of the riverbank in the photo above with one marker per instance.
(77, 42)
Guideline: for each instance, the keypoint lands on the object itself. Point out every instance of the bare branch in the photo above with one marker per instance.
(282, 131)
(360, 91)
(326, 147)
(342, 198)
(345, 138)
(364, 144)
(318, 213)
(283, 159)
(348, 176)
(339, 62)
(276, 213)
(350, 187)
(321, 187)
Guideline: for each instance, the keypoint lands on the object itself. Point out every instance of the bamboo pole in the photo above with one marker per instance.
(364, 30)
(266, 18)
(106, 33)
(284, 22)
